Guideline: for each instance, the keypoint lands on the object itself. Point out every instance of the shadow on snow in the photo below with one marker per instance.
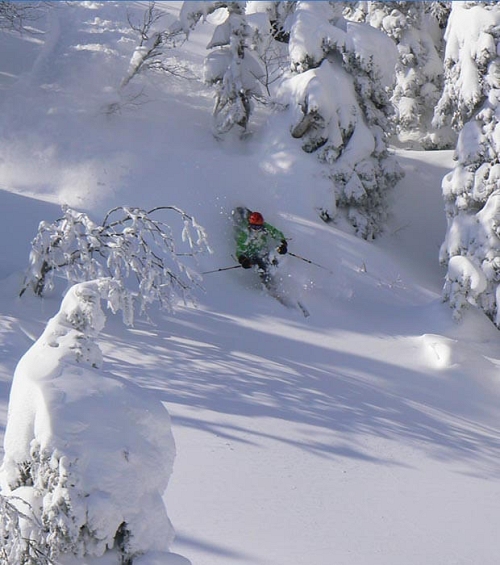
(242, 369)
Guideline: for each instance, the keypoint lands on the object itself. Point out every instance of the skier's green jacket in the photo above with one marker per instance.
(254, 243)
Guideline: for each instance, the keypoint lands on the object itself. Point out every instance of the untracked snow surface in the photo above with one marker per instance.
(365, 434)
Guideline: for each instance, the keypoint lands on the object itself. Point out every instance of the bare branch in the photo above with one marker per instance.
(15, 16)
(150, 53)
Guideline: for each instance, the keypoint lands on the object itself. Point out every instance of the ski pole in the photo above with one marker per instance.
(308, 261)
(222, 269)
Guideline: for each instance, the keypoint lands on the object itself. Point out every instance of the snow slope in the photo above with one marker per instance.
(366, 434)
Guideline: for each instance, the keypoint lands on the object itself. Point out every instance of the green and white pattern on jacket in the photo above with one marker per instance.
(256, 242)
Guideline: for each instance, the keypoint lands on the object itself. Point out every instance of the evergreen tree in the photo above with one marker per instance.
(471, 102)
(340, 109)
(419, 68)
(232, 67)
(466, 64)
(440, 11)
(279, 17)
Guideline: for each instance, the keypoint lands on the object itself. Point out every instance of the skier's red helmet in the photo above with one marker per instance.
(256, 219)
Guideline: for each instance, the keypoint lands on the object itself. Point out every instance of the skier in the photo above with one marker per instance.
(255, 243)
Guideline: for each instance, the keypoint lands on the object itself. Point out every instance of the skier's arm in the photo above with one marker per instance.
(276, 234)
(241, 243)
(241, 250)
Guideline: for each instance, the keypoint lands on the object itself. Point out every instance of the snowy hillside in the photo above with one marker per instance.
(365, 434)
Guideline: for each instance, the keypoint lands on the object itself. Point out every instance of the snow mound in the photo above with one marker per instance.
(90, 453)
(439, 351)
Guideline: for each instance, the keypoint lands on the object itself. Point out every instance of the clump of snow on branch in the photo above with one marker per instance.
(134, 247)
(87, 455)
(471, 250)
(339, 98)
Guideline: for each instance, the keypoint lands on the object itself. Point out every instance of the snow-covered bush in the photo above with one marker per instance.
(134, 247)
(471, 249)
(87, 455)
(340, 109)
(232, 67)
(419, 68)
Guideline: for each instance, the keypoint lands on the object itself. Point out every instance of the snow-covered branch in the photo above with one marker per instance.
(137, 249)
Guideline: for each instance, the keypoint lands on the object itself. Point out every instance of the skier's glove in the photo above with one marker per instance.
(244, 262)
(283, 248)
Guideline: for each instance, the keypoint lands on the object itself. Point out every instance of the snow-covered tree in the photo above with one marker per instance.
(471, 101)
(152, 54)
(419, 68)
(153, 45)
(440, 11)
(278, 14)
(340, 109)
(469, 62)
(232, 67)
(269, 24)
(134, 247)
(88, 455)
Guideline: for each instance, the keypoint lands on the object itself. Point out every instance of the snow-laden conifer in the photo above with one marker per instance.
(471, 250)
(419, 68)
(340, 109)
(88, 455)
(469, 63)
(279, 16)
(232, 67)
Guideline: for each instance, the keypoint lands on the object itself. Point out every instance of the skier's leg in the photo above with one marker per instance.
(264, 269)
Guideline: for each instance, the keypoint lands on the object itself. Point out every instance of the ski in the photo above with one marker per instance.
(303, 309)
(272, 291)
